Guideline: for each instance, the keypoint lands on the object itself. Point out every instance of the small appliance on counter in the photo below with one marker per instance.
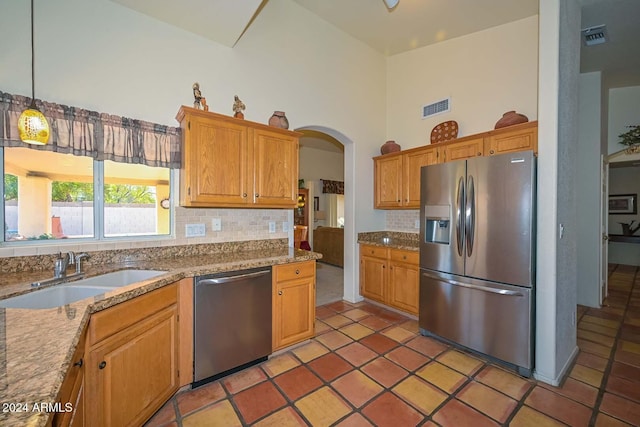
(477, 246)
(232, 322)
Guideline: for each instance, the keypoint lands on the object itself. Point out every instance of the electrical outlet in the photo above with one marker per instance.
(417, 224)
(285, 227)
(216, 224)
(272, 227)
(194, 230)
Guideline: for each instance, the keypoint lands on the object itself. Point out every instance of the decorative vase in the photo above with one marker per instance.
(238, 115)
(389, 147)
(511, 118)
(279, 120)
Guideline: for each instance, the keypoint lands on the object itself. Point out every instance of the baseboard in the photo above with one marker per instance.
(563, 372)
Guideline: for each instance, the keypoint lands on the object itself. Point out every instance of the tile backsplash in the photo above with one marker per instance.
(402, 220)
(237, 225)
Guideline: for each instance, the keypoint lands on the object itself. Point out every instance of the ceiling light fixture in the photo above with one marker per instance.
(391, 4)
(32, 124)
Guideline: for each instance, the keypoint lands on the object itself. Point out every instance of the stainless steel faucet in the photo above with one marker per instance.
(78, 260)
(61, 263)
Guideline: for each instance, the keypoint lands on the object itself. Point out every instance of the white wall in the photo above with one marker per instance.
(318, 164)
(485, 73)
(588, 189)
(624, 104)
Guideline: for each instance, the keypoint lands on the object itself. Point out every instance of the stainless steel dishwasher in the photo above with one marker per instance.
(232, 322)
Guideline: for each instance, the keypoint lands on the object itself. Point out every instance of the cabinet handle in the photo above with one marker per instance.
(398, 200)
(479, 153)
(384, 266)
(257, 195)
(244, 194)
(491, 151)
(78, 363)
(279, 292)
(297, 271)
(404, 257)
(102, 364)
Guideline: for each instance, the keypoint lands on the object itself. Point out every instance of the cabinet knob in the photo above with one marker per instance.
(78, 363)
(398, 200)
(257, 195)
(404, 257)
(102, 364)
(479, 153)
(297, 271)
(491, 151)
(384, 266)
(279, 292)
(244, 194)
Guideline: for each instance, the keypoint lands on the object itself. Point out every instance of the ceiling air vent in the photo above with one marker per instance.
(437, 107)
(594, 35)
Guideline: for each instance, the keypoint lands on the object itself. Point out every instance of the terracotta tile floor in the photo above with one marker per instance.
(369, 366)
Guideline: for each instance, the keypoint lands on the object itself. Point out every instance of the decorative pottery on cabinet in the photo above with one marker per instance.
(279, 120)
(389, 147)
(511, 118)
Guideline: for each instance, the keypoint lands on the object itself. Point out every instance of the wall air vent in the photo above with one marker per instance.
(594, 35)
(438, 107)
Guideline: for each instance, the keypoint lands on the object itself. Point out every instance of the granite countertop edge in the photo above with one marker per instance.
(390, 239)
(34, 374)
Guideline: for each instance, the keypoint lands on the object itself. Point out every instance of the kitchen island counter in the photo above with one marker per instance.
(37, 345)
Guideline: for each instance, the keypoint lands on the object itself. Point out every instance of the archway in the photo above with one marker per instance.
(350, 276)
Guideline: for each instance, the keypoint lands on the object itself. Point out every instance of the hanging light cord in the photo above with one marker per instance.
(33, 67)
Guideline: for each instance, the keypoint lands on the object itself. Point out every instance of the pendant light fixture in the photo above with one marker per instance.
(32, 125)
(391, 4)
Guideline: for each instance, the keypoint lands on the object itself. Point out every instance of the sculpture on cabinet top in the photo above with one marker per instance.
(197, 96)
(238, 107)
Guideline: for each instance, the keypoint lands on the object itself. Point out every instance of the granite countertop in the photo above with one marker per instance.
(391, 239)
(37, 345)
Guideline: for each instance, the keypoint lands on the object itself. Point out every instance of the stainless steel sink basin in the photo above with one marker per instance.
(54, 296)
(118, 278)
(67, 293)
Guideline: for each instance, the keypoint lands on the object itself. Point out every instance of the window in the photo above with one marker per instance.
(61, 196)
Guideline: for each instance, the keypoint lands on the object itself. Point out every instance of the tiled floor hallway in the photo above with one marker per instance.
(369, 366)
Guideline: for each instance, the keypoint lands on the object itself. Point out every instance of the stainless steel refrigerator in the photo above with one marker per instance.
(477, 246)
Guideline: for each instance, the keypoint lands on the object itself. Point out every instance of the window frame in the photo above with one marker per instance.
(98, 214)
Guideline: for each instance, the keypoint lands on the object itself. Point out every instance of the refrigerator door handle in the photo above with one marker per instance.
(470, 286)
(459, 209)
(470, 215)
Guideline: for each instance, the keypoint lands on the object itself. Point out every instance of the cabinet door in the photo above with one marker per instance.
(373, 277)
(411, 164)
(294, 311)
(276, 169)
(388, 181)
(515, 140)
(404, 286)
(462, 150)
(215, 163)
(134, 372)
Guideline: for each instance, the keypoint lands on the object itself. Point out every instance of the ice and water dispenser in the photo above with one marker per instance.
(437, 224)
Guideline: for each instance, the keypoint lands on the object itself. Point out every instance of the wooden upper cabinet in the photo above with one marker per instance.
(464, 149)
(412, 162)
(229, 162)
(388, 181)
(276, 168)
(397, 177)
(514, 138)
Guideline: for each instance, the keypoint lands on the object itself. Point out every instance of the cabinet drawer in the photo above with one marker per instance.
(294, 270)
(374, 251)
(410, 257)
(109, 321)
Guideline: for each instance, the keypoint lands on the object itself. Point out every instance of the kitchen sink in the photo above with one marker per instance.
(118, 278)
(67, 293)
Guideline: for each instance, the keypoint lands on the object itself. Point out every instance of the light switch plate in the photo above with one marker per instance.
(272, 227)
(216, 224)
(195, 230)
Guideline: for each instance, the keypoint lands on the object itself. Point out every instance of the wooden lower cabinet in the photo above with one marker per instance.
(390, 276)
(294, 303)
(72, 391)
(132, 359)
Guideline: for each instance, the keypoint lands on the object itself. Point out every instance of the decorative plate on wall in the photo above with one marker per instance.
(444, 132)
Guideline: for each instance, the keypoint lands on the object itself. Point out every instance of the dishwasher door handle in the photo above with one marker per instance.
(228, 279)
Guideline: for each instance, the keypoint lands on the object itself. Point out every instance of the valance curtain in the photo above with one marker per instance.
(332, 187)
(97, 135)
